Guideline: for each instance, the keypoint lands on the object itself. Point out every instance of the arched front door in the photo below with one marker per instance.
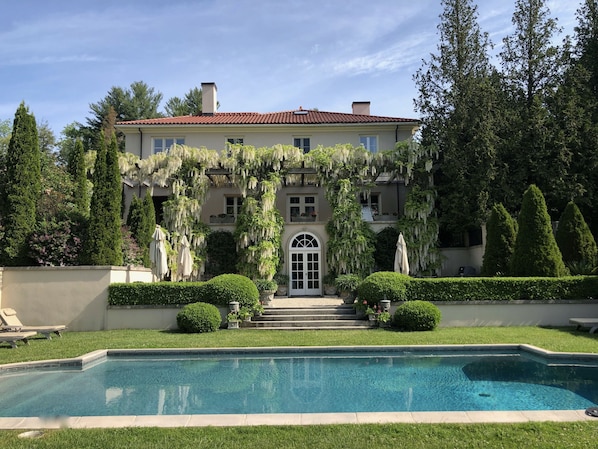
(305, 258)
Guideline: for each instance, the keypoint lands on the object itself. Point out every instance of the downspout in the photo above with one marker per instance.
(140, 157)
(396, 133)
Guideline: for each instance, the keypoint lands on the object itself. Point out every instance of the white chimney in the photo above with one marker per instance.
(208, 98)
(361, 107)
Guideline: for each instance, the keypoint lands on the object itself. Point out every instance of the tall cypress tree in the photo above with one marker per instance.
(575, 239)
(94, 251)
(456, 102)
(22, 188)
(78, 172)
(532, 68)
(114, 255)
(500, 241)
(536, 252)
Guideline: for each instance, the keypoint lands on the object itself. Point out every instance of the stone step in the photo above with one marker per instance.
(303, 317)
(310, 311)
(309, 324)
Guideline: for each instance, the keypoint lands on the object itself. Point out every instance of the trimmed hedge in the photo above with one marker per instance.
(417, 316)
(199, 317)
(229, 287)
(503, 289)
(383, 284)
(155, 293)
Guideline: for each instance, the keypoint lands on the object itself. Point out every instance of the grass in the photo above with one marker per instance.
(530, 435)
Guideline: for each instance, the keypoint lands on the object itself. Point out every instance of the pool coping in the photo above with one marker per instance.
(225, 420)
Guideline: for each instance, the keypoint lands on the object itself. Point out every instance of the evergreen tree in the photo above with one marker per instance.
(190, 105)
(114, 255)
(575, 109)
(21, 189)
(94, 251)
(500, 241)
(575, 239)
(103, 245)
(536, 252)
(78, 173)
(456, 100)
(532, 67)
(142, 222)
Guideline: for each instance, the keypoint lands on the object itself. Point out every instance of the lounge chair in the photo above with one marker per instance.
(10, 322)
(592, 323)
(13, 337)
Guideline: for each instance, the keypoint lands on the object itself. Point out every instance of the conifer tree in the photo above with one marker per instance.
(21, 189)
(500, 242)
(114, 255)
(574, 238)
(532, 68)
(103, 245)
(536, 252)
(79, 175)
(456, 102)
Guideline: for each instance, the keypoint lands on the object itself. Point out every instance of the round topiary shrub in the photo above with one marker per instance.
(417, 316)
(381, 285)
(199, 317)
(225, 288)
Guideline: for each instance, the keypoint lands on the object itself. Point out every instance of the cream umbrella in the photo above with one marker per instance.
(157, 253)
(401, 259)
(184, 259)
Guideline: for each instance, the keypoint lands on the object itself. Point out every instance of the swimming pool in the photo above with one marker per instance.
(301, 380)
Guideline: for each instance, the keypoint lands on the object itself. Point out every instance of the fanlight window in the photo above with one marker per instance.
(305, 241)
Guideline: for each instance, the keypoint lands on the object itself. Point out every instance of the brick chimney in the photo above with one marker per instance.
(208, 98)
(361, 107)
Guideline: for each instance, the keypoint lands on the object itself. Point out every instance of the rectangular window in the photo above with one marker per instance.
(302, 143)
(370, 143)
(233, 205)
(234, 140)
(303, 207)
(160, 144)
(370, 205)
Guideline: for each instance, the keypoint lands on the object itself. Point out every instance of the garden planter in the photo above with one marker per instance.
(329, 290)
(267, 296)
(372, 317)
(282, 290)
(233, 325)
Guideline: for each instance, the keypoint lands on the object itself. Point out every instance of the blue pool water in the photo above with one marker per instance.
(305, 382)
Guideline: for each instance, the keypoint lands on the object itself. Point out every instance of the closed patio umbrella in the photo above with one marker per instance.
(157, 253)
(401, 260)
(184, 259)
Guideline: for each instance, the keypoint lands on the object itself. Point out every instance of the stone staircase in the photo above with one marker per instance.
(309, 317)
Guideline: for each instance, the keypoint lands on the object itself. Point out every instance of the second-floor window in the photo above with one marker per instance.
(302, 143)
(164, 143)
(302, 207)
(234, 140)
(370, 143)
(233, 205)
(370, 205)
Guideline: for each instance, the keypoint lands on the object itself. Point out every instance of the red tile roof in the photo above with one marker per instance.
(298, 117)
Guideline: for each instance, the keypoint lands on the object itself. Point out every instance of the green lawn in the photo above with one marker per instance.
(530, 435)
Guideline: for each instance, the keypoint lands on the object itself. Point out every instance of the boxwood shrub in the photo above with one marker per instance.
(381, 285)
(199, 317)
(417, 316)
(225, 288)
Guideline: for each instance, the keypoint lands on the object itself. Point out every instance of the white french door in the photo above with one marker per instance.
(305, 266)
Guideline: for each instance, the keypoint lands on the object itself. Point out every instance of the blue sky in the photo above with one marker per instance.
(264, 55)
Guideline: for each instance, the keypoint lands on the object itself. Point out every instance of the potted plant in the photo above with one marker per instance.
(233, 320)
(360, 308)
(258, 309)
(384, 319)
(282, 280)
(244, 314)
(372, 313)
(346, 285)
(329, 284)
(266, 288)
